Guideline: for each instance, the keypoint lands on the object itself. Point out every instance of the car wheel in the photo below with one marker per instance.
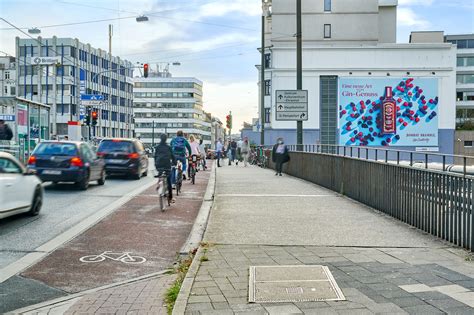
(84, 183)
(145, 173)
(37, 202)
(101, 180)
(138, 174)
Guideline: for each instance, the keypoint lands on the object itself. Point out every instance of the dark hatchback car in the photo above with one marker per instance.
(124, 157)
(67, 161)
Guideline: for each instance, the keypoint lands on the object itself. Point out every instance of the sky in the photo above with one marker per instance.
(214, 40)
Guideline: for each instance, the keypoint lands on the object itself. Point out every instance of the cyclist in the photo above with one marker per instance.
(195, 150)
(202, 148)
(179, 145)
(164, 160)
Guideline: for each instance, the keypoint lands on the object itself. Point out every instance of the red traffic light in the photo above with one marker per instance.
(94, 115)
(145, 70)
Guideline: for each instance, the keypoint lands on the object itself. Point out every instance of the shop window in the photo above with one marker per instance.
(468, 144)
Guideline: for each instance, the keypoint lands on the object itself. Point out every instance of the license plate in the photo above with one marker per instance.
(51, 172)
(114, 161)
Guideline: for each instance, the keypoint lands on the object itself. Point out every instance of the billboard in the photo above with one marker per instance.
(388, 111)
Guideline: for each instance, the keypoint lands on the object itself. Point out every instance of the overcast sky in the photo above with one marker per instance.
(215, 40)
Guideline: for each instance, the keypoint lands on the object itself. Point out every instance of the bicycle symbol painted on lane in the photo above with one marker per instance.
(125, 258)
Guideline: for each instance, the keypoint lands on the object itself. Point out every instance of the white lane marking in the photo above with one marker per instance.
(271, 195)
(45, 249)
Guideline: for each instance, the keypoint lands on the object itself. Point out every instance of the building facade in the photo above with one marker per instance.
(80, 69)
(163, 104)
(7, 76)
(346, 70)
(218, 131)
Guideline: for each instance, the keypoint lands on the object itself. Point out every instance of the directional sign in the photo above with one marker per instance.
(92, 99)
(291, 105)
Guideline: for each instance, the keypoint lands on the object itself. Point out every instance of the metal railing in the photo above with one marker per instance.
(435, 200)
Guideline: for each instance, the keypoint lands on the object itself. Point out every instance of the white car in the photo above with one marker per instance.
(20, 189)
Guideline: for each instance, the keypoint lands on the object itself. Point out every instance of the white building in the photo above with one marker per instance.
(100, 72)
(7, 76)
(166, 105)
(347, 44)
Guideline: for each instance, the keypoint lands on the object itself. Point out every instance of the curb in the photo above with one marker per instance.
(76, 296)
(185, 291)
(200, 224)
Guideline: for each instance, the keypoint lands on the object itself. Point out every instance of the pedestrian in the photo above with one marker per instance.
(5, 131)
(280, 155)
(232, 151)
(164, 160)
(179, 145)
(245, 150)
(202, 148)
(239, 151)
(219, 148)
(195, 150)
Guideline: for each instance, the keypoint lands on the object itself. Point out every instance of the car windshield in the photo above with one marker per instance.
(56, 148)
(116, 146)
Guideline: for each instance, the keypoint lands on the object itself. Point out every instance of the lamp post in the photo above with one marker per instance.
(299, 69)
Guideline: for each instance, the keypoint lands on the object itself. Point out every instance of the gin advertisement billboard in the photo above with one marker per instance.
(388, 111)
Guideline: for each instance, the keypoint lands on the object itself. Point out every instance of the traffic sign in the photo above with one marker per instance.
(291, 105)
(92, 99)
(7, 117)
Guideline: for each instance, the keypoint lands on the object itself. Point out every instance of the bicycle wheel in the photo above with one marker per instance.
(133, 259)
(193, 175)
(92, 258)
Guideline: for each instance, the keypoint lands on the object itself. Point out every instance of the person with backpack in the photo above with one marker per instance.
(179, 145)
(164, 160)
(5, 131)
(280, 155)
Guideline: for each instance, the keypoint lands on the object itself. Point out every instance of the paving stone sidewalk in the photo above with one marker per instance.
(382, 265)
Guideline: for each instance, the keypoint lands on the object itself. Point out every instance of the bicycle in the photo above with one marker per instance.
(122, 257)
(193, 159)
(179, 177)
(162, 189)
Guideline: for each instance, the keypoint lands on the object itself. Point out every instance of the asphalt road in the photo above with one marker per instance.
(64, 207)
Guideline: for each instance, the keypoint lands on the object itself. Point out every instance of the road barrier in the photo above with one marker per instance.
(436, 200)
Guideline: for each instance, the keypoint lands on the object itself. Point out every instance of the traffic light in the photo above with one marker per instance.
(94, 117)
(87, 119)
(145, 70)
(228, 121)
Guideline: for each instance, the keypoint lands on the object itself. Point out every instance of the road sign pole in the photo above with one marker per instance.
(262, 82)
(299, 68)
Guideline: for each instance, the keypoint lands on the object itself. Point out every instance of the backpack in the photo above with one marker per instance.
(179, 146)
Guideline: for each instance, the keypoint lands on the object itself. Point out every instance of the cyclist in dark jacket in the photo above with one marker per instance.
(164, 160)
(180, 146)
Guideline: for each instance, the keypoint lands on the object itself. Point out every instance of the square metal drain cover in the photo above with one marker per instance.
(292, 284)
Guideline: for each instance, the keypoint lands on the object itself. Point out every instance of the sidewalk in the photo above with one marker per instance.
(380, 264)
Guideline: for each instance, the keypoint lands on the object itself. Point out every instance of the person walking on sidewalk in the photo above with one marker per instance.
(164, 160)
(280, 155)
(219, 148)
(179, 145)
(245, 150)
(239, 151)
(232, 151)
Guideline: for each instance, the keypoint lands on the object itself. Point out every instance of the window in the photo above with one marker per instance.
(9, 167)
(6, 90)
(465, 78)
(327, 5)
(468, 144)
(327, 30)
(267, 115)
(267, 61)
(7, 75)
(268, 87)
(12, 90)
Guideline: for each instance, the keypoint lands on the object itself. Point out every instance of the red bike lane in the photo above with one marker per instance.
(138, 228)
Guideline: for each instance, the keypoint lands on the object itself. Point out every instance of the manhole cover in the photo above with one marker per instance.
(292, 284)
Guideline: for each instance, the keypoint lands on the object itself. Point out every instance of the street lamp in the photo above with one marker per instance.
(142, 18)
(34, 30)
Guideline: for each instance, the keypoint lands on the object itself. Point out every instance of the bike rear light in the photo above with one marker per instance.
(76, 161)
(133, 156)
(32, 160)
(100, 153)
